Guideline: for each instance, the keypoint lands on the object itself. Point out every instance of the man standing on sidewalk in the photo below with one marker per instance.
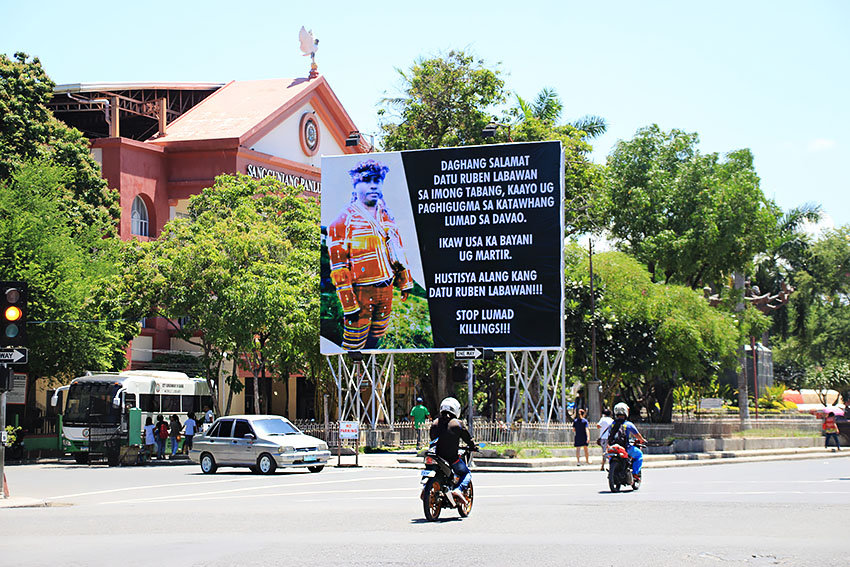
(420, 415)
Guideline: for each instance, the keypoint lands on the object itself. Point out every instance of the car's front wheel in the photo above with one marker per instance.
(317, 468)
(208, 465)
(266, 464)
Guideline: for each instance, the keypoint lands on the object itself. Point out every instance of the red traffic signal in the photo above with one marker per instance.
(13, 314)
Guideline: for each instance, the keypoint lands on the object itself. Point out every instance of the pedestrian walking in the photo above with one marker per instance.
(604, 427)
(174, 429)
(580, 426)
(189, 430)
(830, 430)
(420, 415)
(161, 436)
(150, 439)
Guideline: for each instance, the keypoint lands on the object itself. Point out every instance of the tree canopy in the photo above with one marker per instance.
(29, 131)
(240, 274)
(73, 324)
(690, 217)
(445, 101)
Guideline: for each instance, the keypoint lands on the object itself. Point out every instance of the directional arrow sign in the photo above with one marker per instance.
(13, 355)
(471, 353)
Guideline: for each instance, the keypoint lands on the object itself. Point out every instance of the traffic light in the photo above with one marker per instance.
(13, 314)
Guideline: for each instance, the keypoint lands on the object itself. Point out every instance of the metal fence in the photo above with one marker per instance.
(555, 434)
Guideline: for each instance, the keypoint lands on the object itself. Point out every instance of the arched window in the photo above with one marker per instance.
(140, 218)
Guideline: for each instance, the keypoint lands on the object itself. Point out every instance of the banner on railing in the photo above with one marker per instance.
(437, 249)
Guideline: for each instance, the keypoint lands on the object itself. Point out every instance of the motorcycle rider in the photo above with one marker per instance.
(621, 414)
(447, 432)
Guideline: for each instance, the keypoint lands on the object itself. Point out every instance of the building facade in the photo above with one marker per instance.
(159, 144)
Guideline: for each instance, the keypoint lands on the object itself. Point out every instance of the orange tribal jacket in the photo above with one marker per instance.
(365, 250)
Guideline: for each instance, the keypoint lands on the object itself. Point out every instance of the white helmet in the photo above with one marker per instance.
(451, 406)
(621, 409)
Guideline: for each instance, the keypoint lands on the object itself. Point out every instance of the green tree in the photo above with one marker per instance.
(819, 309)
(28, 131)
(75, 324)
(788, 253)
(444, 102)
(690, 217)
(651, 338)
(547, 107)
(240, 274)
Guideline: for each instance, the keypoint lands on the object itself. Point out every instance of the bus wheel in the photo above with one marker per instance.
(81, 458)
(208, 465)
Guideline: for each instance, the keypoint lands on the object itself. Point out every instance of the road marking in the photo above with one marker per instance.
(205, 482)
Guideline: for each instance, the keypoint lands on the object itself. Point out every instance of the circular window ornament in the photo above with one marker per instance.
(309, 133)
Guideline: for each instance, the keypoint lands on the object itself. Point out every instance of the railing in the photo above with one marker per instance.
(556, 434)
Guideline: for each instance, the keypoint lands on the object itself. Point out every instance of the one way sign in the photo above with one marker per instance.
(473, 353)
(13, 355)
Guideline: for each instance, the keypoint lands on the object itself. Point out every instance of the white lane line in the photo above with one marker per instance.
(229, 495)
(206, 482)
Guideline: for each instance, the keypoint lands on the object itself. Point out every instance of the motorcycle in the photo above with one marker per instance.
(438, 479)
(620, 468)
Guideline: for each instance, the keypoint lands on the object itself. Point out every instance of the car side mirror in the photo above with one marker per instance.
(249, 436)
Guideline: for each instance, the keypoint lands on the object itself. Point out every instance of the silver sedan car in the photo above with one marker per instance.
(259, 442)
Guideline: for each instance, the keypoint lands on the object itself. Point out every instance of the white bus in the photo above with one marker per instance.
(97, 406)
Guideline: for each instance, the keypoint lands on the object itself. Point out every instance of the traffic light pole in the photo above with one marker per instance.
(3, 488)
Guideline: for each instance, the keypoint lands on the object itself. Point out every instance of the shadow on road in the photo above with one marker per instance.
(437, 521)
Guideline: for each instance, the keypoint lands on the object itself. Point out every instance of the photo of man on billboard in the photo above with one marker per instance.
(367, 259)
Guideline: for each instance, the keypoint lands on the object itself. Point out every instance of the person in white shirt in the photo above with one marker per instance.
(604, 425)
(150, 441)
(189, 430)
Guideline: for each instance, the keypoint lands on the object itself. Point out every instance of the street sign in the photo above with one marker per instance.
(13, 355)
(470, 353)
(349, 430)
(473, 353)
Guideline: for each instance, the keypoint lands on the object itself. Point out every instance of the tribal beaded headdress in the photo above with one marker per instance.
(369, 169)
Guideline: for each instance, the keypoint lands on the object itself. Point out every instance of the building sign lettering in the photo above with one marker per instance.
(259, 172)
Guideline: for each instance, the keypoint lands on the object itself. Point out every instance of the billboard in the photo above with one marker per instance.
(429, 250)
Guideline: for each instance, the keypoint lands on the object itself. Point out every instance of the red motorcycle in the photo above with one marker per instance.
(620, 468)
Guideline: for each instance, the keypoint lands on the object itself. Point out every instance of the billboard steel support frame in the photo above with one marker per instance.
(378, 376)
(535, 386)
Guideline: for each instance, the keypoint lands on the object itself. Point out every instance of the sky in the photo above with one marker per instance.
(767, 75)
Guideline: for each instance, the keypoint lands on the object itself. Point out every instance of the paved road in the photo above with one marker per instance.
(766, 513)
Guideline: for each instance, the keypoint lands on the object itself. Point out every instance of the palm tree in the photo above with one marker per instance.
(547, 108)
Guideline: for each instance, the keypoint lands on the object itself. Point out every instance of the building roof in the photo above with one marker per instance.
(99, 87)
(241, 109)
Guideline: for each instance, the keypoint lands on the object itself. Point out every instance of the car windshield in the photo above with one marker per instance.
(266, 427)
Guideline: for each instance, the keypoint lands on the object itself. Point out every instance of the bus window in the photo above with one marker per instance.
(242, 427)
(170, 403)
(130, 400)
(147, 402)
(91, 402)
(206, 402)
(190, 403)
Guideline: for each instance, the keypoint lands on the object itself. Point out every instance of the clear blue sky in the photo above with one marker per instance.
(768, 75)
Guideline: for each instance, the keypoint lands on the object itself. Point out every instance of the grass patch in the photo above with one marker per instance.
(775, 432)
(545, 451)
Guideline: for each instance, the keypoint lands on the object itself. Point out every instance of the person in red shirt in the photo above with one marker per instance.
(830, 430)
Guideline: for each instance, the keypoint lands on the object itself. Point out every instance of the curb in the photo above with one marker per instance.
(650, 461)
